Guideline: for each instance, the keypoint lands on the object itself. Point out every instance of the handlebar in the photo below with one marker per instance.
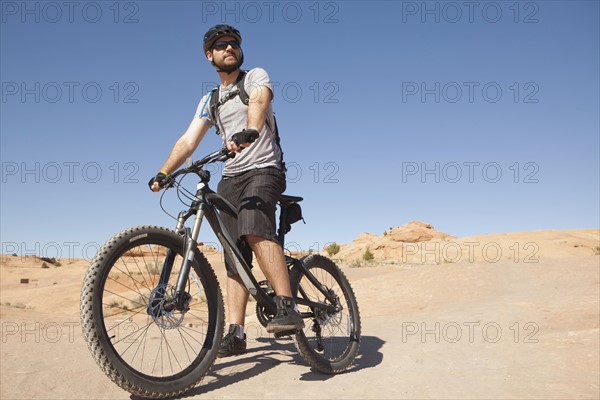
(239, 138)
(218, 156)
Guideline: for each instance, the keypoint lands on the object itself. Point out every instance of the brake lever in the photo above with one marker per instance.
(167, 183)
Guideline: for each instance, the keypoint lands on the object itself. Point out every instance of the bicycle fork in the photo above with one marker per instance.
(180, 301)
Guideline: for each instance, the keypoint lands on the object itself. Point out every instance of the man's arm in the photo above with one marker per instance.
(184, 147)
(260, 98)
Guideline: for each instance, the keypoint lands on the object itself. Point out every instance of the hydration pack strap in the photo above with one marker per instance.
(238, 90)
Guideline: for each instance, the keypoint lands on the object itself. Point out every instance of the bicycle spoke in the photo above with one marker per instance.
(157, 343)
(129, 274)
(142, 331)
(134, 332)
(329, 341)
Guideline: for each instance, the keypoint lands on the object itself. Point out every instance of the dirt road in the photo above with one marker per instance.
(465, 330)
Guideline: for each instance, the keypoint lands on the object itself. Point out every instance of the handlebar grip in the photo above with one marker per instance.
(166, 183)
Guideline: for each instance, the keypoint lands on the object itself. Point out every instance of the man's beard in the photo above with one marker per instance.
(223, 67)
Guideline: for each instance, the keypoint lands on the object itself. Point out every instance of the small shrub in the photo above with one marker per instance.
(114, 304)
(368, 255)
(597, 250)
(52, 261)
(44, 265)
(333, 249)
(140, 301)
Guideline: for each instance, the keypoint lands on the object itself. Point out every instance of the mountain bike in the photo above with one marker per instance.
(152, 309)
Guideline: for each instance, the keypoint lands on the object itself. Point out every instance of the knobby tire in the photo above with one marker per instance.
(148, 354)
(340, 332)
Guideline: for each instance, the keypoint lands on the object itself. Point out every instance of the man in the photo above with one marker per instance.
(252, 181)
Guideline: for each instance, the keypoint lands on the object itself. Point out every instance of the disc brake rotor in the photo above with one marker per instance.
(161, 295)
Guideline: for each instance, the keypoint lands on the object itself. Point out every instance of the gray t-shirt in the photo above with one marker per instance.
(232, 117)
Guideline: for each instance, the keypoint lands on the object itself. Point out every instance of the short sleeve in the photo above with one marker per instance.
(203, 107)
(257, 77)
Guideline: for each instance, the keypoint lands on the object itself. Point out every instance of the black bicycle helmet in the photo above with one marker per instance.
(218, 31)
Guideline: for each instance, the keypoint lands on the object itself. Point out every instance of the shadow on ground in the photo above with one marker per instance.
(258, 360)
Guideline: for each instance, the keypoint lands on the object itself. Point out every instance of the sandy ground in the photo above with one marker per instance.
(469, 329)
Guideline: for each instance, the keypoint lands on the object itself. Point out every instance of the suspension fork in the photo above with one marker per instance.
(181, 296)
(165, 273)
(190, 236)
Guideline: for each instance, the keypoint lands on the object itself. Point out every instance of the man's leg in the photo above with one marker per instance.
(237, 298)
(271, 260)
(234, 342)
(272, 263)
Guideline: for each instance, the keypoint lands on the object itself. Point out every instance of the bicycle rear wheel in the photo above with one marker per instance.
(330, 341)
(142, 345)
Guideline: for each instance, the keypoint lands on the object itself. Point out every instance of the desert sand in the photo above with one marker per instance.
(511, 315)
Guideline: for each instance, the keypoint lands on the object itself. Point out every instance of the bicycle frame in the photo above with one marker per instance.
(177, 338)
(209, 204)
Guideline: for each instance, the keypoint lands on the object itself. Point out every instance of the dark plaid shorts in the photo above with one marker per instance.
(254, 193)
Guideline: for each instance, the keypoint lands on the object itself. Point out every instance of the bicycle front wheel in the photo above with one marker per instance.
(143, 345)
(331, 339)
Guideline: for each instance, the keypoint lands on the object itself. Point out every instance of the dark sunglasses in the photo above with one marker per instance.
(222, 45)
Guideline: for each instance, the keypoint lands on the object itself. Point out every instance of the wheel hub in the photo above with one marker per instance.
(161, 307)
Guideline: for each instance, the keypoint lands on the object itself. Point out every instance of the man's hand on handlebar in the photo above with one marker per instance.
(240, 140)
(157, 182)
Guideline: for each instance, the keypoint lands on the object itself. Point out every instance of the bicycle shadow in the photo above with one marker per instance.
(369, 356)
(226, 372)
(274, 352)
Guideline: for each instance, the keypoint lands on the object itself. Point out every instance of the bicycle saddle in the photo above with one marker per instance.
(287, 199)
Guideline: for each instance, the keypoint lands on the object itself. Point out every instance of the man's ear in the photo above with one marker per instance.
(209, 55)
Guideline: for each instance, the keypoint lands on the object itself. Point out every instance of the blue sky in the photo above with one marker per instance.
(476, 117)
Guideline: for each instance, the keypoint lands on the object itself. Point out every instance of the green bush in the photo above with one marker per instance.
(368, 255)
(333, 249)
